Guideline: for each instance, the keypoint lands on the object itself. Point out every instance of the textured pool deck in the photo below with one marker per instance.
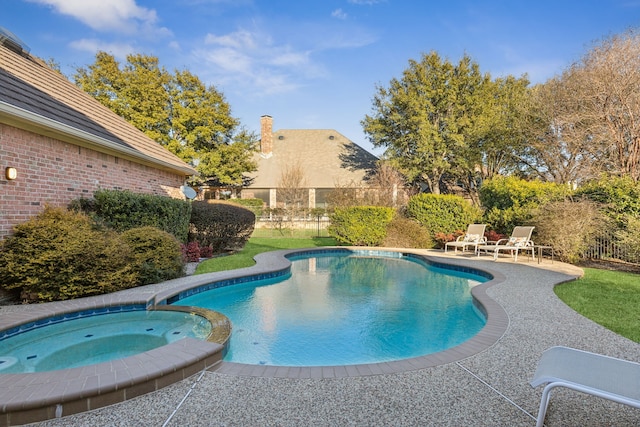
(487, 388)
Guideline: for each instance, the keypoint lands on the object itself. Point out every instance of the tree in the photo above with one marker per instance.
(500, 140)
(176, 110)
(608, 101)
(559, 145)
(293, 189)
(427, 118)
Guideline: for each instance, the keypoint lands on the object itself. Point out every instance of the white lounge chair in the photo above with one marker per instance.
(603, 376)
(472, 238)
(520, 240)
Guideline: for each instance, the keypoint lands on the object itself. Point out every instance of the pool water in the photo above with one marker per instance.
(97, 338)
(341, 309)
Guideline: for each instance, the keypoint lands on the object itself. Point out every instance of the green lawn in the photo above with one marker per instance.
(610, 298)
(256, 245)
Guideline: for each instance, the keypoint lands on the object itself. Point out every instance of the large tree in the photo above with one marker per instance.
(609, 99)
(444, 121)
(176, 110)
(559, 144)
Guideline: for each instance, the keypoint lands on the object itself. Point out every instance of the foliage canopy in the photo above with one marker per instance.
(175, 109)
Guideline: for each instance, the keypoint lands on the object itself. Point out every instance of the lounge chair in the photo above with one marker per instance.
(603, 376)
(520, 240)
(473, 237)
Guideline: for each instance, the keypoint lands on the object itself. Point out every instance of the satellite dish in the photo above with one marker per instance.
(188, 192)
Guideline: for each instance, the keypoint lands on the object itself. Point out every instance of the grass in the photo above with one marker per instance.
(609, 298)
(256, 245)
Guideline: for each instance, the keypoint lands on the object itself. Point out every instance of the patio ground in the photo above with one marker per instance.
(489, 388)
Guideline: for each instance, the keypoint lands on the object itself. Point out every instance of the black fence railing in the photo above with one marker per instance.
(608, 248)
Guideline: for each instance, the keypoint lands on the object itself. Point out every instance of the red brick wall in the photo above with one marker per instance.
(55, 172)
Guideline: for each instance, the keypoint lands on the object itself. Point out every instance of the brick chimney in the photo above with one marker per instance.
(266, 136)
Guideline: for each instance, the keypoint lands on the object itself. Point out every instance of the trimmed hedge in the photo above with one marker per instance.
(124, 210)
(221, 226)
(60, 255)
(511, 201)
(442, 213)
(156, 254)
(254, 205)
(360, 225)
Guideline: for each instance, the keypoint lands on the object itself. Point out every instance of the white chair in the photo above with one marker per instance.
(520, 240)
(603, 376)
(472, 238)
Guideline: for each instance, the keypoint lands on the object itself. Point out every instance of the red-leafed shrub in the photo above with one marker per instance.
(191, 252)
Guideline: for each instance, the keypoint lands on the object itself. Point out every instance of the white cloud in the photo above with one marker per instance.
(339, 13)
(252, 62)
(366, 1)
(108, 15)
(119, 50)
(241, 39)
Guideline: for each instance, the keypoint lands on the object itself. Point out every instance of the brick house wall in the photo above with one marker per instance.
(54, 172)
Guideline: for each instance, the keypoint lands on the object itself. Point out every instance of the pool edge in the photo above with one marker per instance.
(495, 327)
(28, 398)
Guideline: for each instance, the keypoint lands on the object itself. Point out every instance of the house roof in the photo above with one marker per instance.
(328, 159)
(36, 98)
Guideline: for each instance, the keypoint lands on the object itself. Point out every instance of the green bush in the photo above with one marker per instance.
(60, 255)
(221, 226)
(360, 225)
(124, 210)
(156, 254)
(404, 232)
(510, 201)
(620, 196)
(442, 213)
(254, 205)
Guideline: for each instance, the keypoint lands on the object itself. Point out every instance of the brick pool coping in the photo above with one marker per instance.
(26, 398)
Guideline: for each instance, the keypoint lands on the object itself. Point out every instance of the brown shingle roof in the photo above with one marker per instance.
(38, 98)
(327, 157)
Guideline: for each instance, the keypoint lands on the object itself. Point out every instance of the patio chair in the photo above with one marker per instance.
(603, 376)
(473, 237)
(520, 240)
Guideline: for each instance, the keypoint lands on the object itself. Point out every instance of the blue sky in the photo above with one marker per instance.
(315, 64)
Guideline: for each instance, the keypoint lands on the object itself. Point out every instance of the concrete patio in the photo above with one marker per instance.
(489, 388)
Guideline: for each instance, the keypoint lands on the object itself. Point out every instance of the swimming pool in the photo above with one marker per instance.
(347, 307)
(86, 338)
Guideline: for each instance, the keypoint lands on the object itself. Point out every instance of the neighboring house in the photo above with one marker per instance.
(62, 144)
(315, 161)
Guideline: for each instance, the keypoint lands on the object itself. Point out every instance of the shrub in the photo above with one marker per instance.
(59, 255)
(510, 201)
(404, 232)
(570, 227)
(619, 196)
(360, 225)
(220, 225)
(629, 237)
(254, 205)
(442, 213)
(156, 254)
(124, 210)
(192, 252)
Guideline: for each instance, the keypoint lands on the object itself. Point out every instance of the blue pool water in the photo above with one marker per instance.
(341, 309)
(96, 338)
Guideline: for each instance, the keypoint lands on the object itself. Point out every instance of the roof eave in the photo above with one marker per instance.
(27, 120)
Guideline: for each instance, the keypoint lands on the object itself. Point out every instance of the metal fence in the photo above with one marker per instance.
(607, 247)
(298, 227)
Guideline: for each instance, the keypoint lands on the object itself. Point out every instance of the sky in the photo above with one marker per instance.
(317, 64)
